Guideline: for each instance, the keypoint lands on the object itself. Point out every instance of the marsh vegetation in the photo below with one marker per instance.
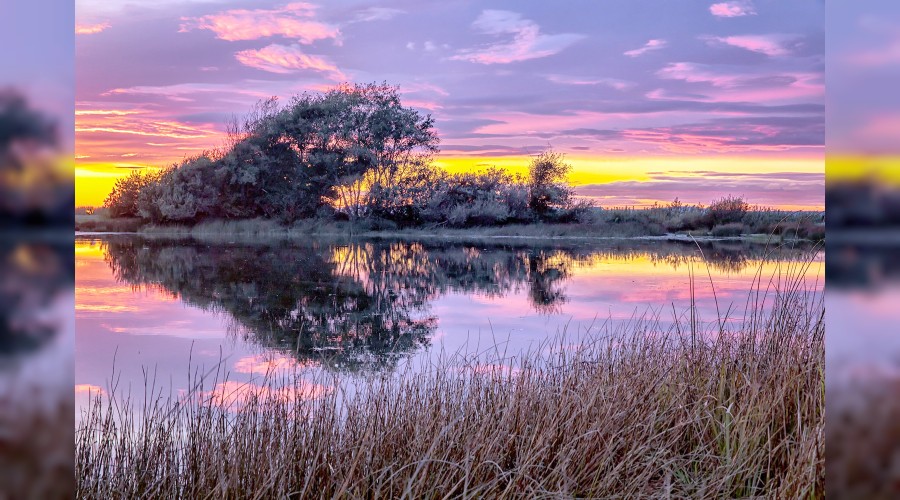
(691, 410)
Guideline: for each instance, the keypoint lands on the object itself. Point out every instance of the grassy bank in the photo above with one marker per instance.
(99, 221)
(635, 225)
(632, 413)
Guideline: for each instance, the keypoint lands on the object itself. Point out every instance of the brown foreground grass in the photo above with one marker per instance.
(638, 412)
(862, 439)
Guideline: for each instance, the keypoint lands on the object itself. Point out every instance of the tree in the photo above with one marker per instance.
(187, 193)
(122, 201)
(547, 183)
(352, 140)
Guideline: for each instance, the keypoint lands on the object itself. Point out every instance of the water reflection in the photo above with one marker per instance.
(863, 266)
(32, 275)
(364, 305)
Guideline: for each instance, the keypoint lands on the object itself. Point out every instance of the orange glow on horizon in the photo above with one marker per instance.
(856, 168)
(94, 181)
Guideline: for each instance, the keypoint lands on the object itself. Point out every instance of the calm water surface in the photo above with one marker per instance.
(150, 309)
(863, 319)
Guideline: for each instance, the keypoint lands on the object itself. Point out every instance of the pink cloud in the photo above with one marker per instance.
(701, 141)
(574, 80)
(287, 59)
(735, 8)
(414, 87)
(105, 112)
(695, 73)
(295, 21)
(775, 189)
(90, 29)
(89, 389)
(746, 87)
(112, 132)
(654, 44)
(770, 45)
(423, 104)
(527, 40)
(244, 92)
(878, 128)
(169, 129)
(518, 123)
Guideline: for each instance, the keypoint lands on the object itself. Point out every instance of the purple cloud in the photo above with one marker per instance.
(527, 40)
(736, 8)
(653, 44)
(766, 189)
(377, 14)
(770, 45)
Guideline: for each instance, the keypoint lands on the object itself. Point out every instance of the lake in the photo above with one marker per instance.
(149, 311)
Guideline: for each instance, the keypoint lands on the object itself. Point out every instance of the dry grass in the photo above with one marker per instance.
(639, 412)
(104, 224)
(862, 436)
(36, 451)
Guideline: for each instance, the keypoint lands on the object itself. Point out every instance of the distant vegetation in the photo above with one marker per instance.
(729, 216)
(356, 154)
(862, 204)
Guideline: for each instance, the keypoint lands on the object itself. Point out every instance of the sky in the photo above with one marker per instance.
(863, 118)
(649, 99)
(40, 64)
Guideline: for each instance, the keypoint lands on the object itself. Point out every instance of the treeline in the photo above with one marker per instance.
(862, 204)
(353, 152)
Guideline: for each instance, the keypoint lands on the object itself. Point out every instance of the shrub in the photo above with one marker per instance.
(800, 229)
(815, 232)
(730, 229)
(689, 221)
(547, 183)
(725, 210)
(379, 224)
(123, 199)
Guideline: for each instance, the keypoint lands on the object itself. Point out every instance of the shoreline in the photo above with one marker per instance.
(454, 235)
(756, 227)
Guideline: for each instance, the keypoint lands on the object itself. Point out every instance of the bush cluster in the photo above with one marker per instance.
(726, 217)
(353, 152)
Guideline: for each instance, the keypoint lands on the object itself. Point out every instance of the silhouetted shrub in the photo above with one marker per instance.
(815, 232)
(547, 183)
(730, 229)
(725, 210)
(688, 221)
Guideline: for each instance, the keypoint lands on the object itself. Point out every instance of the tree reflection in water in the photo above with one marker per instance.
(365, 304)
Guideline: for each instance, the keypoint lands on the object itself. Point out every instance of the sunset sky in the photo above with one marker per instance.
(649, 99)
